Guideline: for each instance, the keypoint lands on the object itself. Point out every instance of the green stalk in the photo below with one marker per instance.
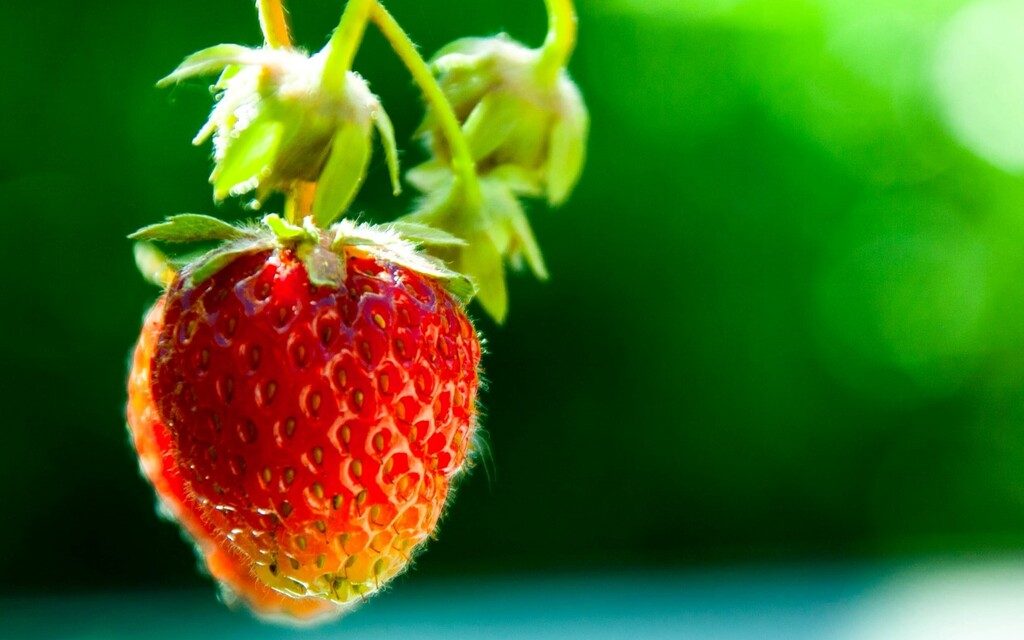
(274, 23)
(560, 41)
(463, 165)
(345, 42)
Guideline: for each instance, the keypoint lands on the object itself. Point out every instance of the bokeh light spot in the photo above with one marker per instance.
(979, 80)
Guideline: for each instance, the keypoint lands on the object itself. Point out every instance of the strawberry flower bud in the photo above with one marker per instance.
(526, 125)
(276, 124)
(513, 114)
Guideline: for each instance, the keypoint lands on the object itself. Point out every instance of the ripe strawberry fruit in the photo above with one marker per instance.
(152, 442)
(307, 434)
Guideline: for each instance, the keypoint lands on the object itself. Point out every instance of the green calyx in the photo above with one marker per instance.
(278, 123)
(512, 115)
(322, 251)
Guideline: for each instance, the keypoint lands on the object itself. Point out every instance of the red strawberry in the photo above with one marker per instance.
(152, 442)
(316, 428)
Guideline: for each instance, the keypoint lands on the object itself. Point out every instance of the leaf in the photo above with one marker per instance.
(567, 151)
(342, 174)
(211, 60)
(426, 235)
(190, 227)
(153, 264)
(247, 157)
(212, 262)
(481, 261)
(386, 130)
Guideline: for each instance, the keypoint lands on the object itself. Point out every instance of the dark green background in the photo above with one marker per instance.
(784, 321)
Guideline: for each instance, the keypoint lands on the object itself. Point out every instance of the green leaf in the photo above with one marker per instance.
(211, 60)
(426, 235)
(343, 174)
(247, 157)
(189, 227)
(567, 152)
(154, 266)
(386, 130)
(212, 262)
(482, 262)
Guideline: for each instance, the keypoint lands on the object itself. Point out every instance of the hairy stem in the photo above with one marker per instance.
(274, 23)
(345, 41)
(560, 41)
(463, 165)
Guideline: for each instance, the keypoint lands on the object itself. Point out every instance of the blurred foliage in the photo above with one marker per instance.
(784, 319)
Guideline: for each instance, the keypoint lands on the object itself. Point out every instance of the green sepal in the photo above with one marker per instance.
(211, 60)
(343, 173)
(482, 261)
(491, 123)
(567, 150)
(386, 131)
(248, 157)
(229, 72)
(324, 267)
(190, 227)
(426, 235)
(508, 218)
(153, 264)
(519, 180)
(500, 224)
(215, 260)
(469, 46)
(285, 231)
(461, 287)
(385, 243)
(430, 177)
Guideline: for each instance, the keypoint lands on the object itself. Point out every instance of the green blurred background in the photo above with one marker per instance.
(785, 322)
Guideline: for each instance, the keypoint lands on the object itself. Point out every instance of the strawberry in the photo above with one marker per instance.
(304, 394)
(316, 428)
(152, 442)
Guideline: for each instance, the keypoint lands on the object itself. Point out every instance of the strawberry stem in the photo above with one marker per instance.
(274, 23)
(560, 41)
(345, 42)
(463, 165)
(299, 202)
